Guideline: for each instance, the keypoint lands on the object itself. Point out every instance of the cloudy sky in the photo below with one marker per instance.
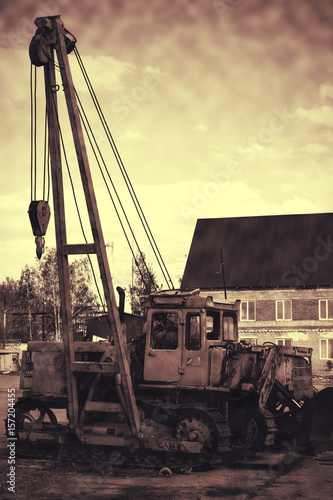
(219, 108)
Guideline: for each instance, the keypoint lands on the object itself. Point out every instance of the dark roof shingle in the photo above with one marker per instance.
(266, 251)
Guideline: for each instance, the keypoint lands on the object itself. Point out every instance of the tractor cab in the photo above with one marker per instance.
(186, 336)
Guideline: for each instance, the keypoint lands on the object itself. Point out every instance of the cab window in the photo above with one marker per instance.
(229, 325)
(213, 325)
(193, 335)
(164, 331)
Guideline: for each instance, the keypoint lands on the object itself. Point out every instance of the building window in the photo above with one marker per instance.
(248, 310)
(283, 310)
(284, 341)
(326, 309)
(326, 348)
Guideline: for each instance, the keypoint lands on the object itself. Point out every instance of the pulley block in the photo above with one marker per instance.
(39, 48)
(39, 215)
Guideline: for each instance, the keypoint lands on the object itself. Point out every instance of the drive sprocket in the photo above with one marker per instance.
(199, 427)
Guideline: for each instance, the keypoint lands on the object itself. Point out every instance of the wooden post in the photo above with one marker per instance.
(60, 228)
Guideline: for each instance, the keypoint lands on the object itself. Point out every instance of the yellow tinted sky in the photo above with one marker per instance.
(219, 108)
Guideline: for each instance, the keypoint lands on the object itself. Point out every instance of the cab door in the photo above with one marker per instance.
(163, 346)
(194, 350)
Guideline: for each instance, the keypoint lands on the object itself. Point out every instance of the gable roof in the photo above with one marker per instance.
(258, 252)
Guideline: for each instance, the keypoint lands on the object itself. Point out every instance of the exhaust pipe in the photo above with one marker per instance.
(121, 306)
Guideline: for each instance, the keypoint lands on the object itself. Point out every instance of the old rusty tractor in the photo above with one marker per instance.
(185, 390)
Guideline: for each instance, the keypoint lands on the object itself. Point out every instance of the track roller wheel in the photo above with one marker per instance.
(165, 471)
(249, 428)
(30, 415)
(117, 457)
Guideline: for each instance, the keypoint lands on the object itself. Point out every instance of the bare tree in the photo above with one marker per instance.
(144, 282)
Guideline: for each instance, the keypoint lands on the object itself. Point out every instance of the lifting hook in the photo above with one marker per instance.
(39, 214)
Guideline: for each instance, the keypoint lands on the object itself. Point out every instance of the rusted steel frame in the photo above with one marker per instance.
(268, 374)
(104, 407)
(79, 249)
(96, 228)
(94, 384)
(60, 229)
(50, 346)
(94, 367)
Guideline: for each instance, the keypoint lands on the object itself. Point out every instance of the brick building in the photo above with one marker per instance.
(280, 267)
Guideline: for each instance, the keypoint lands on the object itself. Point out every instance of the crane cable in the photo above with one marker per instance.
(99, 112)
(33, 133)
(126, 178)
(33, 143)
(46, 170)
(88, 130)
(124, 173)
(49, 88)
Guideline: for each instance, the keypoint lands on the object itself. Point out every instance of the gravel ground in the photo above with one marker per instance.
(274, 475)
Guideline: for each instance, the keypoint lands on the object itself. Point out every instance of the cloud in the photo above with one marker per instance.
(274, 153)
(105, 72)
(134, 135)
(154, 71)
(200, 128)
(326, 90)
(315, 149)
(322, 115)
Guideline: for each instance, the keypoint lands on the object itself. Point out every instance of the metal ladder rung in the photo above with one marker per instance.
(78, 249)
(94, 367)
(103, 406)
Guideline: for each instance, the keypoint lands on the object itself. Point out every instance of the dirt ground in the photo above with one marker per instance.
(273, 475)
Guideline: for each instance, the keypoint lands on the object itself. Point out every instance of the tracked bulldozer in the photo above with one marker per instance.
(185, 390)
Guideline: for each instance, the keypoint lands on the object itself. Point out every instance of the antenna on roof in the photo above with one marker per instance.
(221, 271)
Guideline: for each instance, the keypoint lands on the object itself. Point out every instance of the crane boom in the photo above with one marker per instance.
(51, 38)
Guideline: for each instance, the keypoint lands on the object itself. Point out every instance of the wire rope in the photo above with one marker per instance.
(109, 176)
(31, 136)
(74, 194)
(119, 160)
(35, 135)
(88, 130)
(45, 175)
(33, 132)
(126, 178)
